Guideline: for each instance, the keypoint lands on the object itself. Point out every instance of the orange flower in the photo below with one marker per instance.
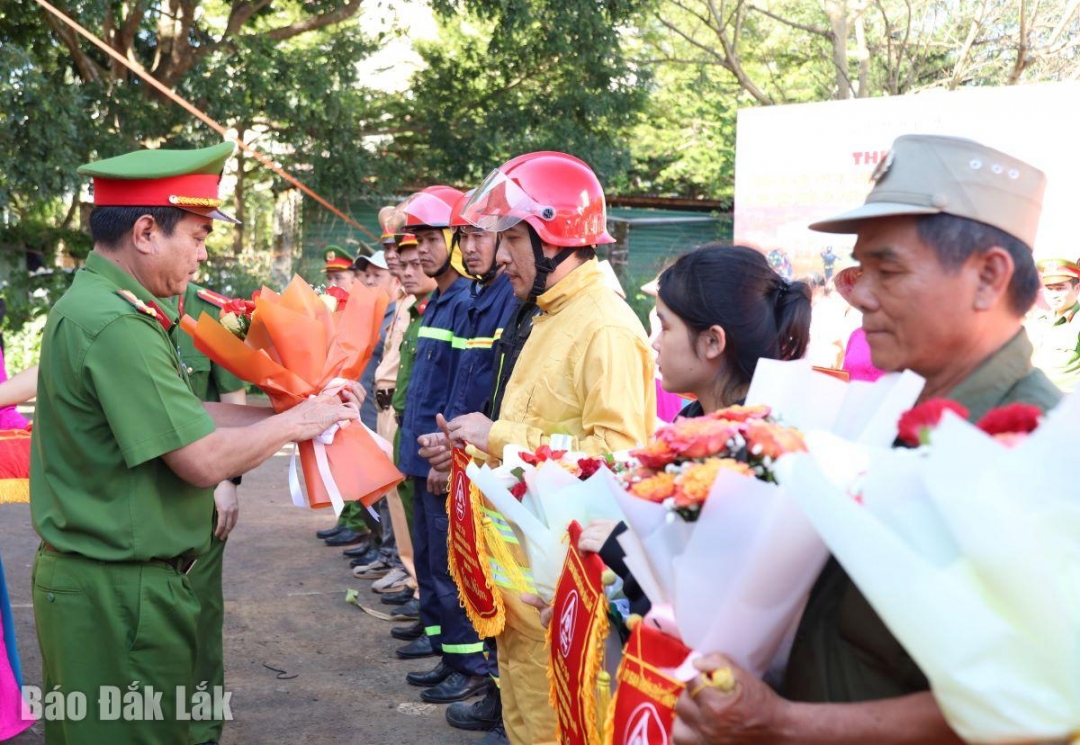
(698, 438)
(741, 413)
(772, 440)
(696, 481)
(656, 455)
(655, 488)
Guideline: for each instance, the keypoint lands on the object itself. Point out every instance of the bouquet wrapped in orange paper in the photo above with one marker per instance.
(295, 346)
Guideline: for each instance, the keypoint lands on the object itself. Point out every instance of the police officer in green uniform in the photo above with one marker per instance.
(210, 382)
(944, 248)
(124, 457)
(1056, 333)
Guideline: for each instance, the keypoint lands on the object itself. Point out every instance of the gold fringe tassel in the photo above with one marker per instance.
(14, 491)
(485, 627)
(590, 685)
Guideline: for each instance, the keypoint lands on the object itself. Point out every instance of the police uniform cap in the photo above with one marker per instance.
(1052, 271)
(186, 179)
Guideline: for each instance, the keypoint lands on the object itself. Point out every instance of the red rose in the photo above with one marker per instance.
(916, 424)
(1010, 420)
(342, 296)
(518, 490)
(589, 466)
(239, 306)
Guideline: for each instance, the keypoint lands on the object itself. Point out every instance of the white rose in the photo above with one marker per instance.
(330, 302)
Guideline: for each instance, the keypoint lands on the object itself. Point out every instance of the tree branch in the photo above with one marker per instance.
(346, 11)
(816, 30)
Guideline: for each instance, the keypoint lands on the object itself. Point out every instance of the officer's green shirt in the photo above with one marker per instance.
(843, 651)
(208, 380)
(408, 353)
(112, 399)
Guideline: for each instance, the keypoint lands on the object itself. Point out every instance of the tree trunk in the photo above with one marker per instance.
(287, 206)
(241, 212)
(836, 10)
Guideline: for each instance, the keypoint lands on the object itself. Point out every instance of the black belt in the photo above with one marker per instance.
(181, 564)
(384, 398)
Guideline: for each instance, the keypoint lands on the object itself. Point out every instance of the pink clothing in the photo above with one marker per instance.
(9, 417)
(14, 715)
(857, 358)
(668, 405)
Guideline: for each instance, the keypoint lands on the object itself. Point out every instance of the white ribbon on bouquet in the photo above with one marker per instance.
(319, 443)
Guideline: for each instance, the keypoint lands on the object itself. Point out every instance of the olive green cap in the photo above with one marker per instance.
(337, 259)
(932, 174)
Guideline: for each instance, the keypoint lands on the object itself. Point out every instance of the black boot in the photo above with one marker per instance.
(477, 716)
(346, 537)
(456, 687)
(329, 532)
(432, 677)
(408, 633)
(416, 649)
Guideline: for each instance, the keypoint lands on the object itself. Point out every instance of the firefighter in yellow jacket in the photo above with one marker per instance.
(585, 371)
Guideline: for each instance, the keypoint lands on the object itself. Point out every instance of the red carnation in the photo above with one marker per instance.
(342, 296)
(518, 490)
(916, 424)
(543, 453)
(1010, 420)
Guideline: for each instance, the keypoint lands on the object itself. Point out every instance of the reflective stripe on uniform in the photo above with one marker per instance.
(463, 648)
(433, 630)
(429, 332)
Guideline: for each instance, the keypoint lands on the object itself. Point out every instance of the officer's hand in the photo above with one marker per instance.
(435, 448)
(311, 418)
(438, 482)
(470, 429)
(728, 706)
(547, 610)
(228, 509)
(595, 535)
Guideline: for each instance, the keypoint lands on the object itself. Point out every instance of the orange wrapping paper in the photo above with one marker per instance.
(294, 348)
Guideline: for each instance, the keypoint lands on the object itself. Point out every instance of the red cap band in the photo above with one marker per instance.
(156, 192)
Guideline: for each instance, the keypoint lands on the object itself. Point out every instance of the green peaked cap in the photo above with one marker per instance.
(151, 164)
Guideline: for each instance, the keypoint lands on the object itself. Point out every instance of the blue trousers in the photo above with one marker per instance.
(445, 621)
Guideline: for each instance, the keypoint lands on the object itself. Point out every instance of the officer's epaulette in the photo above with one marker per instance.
(212, 297)
(149, 309)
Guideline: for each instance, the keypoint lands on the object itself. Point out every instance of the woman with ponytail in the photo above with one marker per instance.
(722, 308)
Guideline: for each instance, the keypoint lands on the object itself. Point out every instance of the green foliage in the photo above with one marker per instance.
(513, 76)
(22, 348)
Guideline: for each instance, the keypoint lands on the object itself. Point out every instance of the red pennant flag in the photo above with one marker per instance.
(643, 711)
(468, 553)
(576, 637)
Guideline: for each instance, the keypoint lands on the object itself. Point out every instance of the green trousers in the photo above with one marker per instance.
(205, 579)
(129, 627)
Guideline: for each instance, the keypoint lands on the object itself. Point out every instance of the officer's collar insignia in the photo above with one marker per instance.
(150, 309)
(212, 297)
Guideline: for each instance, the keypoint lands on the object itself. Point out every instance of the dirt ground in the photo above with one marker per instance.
(284, 607)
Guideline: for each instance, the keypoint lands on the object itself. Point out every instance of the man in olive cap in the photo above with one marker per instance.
(944, 248)
(125, 457)
(1056, 333)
